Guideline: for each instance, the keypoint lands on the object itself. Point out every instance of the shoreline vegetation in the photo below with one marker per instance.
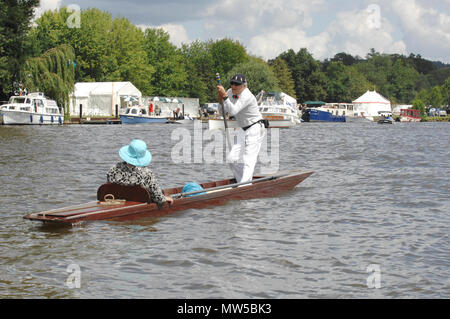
(50, 55)
(424, 119)
(436, 119)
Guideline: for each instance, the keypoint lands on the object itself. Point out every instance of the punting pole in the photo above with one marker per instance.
(224, 116)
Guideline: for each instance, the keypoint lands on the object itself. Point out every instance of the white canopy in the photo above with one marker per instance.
(370, 103)
(100, 98)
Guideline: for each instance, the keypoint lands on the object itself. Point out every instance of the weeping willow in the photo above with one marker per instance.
(53, 73)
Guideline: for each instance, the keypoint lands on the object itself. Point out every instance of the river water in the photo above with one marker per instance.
(371, 222)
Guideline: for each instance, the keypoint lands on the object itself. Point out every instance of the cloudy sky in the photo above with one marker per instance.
(269, 27)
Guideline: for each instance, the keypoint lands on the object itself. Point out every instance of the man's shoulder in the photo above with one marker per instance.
(247, 94)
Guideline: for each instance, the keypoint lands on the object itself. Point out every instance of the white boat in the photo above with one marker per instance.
(349, 110)
(410, 115)
(181, 120)
(31, 109)
(279, 108)
(137, 115)
(185, 121)
(385, 117)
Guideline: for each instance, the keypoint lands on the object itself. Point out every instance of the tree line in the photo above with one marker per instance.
(50, 56)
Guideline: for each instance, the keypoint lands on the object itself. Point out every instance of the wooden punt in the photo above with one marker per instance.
(135, 202)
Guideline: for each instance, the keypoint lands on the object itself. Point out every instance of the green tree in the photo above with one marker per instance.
(52, 73)
(436, 98)
(128, 56)
(92, 42)
(344, 84)
(421, 65)
(226, 54)
(170, 76)
(401, 81)
(376, 70)
(310, 81)
(345, 58)
(446, 92)
(200, 71)
(357, 84)
(259, 75)
(336, 82)
(419, 104)
(424, 96)
(94, 47)
(106, 49)
(15, 20)
(284, 76)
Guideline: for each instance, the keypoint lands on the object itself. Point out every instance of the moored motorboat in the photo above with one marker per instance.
(319, 115)
(137, 115)
(410, 115)
(279, 108)
(181, 120)
(117, 202)
(385, 118)
(31, 109)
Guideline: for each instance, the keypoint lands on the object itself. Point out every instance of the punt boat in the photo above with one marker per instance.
(119, 203)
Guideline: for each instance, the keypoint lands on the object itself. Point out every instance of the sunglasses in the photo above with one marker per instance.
(235, 83)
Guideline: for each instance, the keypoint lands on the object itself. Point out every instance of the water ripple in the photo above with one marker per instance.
(379, 196)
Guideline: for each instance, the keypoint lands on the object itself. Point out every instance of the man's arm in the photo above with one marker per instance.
(242, 102)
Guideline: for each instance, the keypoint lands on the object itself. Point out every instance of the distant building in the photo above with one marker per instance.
(101, 98)
(370, 103)
(396, 109)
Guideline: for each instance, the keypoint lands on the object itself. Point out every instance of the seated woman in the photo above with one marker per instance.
(133, 171)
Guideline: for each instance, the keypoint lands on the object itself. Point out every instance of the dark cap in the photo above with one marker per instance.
(238, 79)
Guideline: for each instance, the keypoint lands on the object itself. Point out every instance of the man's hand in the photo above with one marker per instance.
(221, 93)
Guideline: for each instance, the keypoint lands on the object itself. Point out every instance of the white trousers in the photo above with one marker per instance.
(244, 153)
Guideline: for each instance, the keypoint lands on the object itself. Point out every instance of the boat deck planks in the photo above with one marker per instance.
(83, 210)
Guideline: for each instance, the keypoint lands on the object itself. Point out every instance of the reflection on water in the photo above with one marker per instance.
(379, 196)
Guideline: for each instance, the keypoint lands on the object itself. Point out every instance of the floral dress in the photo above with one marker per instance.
(122, 174)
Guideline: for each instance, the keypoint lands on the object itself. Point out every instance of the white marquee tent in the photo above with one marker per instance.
(370, 103)
(101, 98)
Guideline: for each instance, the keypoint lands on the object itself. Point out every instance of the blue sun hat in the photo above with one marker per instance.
(136, 153)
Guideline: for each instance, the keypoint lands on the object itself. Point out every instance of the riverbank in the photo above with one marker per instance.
(436, 119)
(425, 119)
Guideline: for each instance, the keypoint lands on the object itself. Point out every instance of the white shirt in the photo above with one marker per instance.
(244, 108)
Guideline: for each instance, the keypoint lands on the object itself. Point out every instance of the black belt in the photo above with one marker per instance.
(247, 127)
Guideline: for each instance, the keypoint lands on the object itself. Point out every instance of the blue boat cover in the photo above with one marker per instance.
(192, 187)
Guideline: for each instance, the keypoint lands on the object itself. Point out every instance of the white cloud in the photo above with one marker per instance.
(353, 32)
(177, 32)
(270, 45)
(46, 5)
(259, 15)
(426, 29)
